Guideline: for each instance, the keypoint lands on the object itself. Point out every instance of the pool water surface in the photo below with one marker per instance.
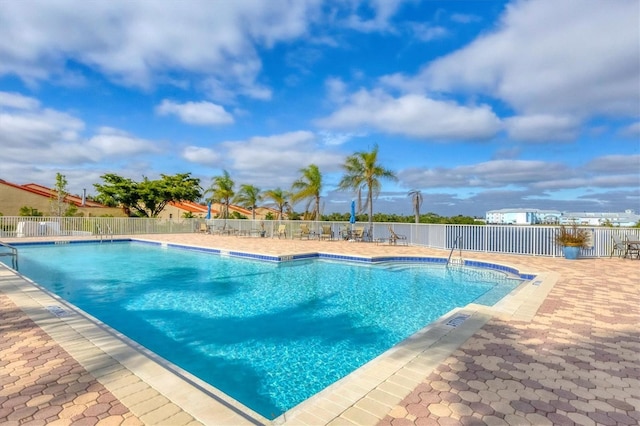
(269, 335)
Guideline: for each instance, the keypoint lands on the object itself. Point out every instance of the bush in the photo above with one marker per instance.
(572, 236)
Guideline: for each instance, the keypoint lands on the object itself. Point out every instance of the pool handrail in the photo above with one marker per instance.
(13, 254)
(453, 247)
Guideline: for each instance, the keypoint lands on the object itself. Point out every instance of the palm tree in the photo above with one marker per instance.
(309, 187)
(248, 197)
(363, 171)
(221, 191)
(416, 201)
(280, 199)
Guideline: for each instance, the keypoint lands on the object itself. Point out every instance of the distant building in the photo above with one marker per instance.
(522, 217)
(626, 218)
(176, 209)
(13, 197)
(550, 217)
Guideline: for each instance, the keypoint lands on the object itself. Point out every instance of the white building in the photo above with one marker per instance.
(522, 216)
(538, 217)
(627, 218)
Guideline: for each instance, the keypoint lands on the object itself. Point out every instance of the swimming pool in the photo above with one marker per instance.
(268, 334)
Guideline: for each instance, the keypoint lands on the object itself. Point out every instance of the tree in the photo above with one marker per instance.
(221, 191)
(308, 187)
(149, 197)
(29, 211)
(72, 211)
(362, 171)
(58, 205)
(280, 199)
(416, 201)
(248, 197)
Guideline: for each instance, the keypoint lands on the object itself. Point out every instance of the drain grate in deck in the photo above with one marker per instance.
(59, 311)
(457, 320)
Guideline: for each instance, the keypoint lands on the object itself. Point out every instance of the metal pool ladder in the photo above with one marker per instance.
(108, 232)
(455, 244)
(13, 252)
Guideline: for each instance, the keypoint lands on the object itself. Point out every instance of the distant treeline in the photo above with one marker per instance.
(424, 218)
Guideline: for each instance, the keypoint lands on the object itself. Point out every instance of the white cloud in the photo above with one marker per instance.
(216, 47)
(378, 15)
(581, 182)
(43, 138)
(510, 172)
(573, 57)
(541, 177)
(542, 128)
(18, 101)
(414, 116)
(335, 139)
(631, 131)
(270, 161)
(200, 155)
(490, 174)
(425, 32)
(114, 143)
(616, 164)
(462, 18)
(336, 90)
(267, 161)
(200, 113)
(26, 125)
(138, 43)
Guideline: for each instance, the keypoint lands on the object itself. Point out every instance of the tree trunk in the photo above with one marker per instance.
(370, 200)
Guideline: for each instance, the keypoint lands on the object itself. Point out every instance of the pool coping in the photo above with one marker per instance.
(374, 388)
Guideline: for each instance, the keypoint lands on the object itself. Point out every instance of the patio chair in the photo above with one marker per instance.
(282, 231)
(345, 233)
(304, 231)
(327, 233)
(204, 229)
(618, 245)
(396, 238)
(632, 247)
(358, 233)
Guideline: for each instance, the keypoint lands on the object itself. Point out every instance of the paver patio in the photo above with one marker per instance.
(573, 361)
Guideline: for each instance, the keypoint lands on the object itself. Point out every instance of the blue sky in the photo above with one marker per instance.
(479, 104)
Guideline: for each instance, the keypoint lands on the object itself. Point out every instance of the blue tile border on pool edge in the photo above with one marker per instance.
(64, 242)
(288, 258)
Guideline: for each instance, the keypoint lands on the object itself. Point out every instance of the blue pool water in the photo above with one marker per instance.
(268, 334)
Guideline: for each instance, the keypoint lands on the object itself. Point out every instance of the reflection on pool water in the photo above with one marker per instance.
(268, 334)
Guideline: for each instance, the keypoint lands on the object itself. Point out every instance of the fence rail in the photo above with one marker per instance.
(509, 239)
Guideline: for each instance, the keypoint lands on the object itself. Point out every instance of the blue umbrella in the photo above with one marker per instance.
(352, 219)
(208, 211)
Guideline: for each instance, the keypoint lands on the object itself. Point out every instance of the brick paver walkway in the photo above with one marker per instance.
(42, 384)
(576, 363)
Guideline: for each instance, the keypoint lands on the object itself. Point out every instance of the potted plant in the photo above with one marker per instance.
(572, 239)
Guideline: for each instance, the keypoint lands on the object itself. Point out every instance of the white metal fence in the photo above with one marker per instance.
(526, 240)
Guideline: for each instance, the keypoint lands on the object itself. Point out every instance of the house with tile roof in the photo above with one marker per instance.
(179, 209)
(13, 197)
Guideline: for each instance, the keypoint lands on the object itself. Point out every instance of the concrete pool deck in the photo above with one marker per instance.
(563, 349)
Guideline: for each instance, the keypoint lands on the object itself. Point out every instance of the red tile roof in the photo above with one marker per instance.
(50, 193)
